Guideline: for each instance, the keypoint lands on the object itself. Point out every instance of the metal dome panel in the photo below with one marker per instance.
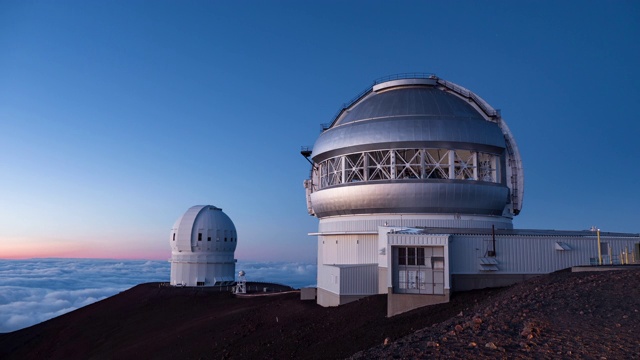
(425, 101)
(401, 130)
(184, 228)
(446, 197)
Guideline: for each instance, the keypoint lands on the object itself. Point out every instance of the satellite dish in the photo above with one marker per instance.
(241, 273)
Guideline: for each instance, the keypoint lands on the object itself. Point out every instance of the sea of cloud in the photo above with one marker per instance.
(35, 290)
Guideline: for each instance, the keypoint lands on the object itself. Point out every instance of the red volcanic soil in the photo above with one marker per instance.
(562, 315)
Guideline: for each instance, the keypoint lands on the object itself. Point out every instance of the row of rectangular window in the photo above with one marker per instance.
(200, 238)
(209, 238)
(420, 256)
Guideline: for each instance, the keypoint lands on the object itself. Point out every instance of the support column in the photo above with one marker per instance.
(392, 156)
(423, 167)
(343, 169)
(475, 166)
(365, 164)
(452, 164)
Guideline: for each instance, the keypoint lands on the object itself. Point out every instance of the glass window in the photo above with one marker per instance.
(412, 280)
(420, 260)
(402, 279)
(402, 256)
(421, 280)
(411, 257)
(209, 238)
(199, 236)
(411, 275)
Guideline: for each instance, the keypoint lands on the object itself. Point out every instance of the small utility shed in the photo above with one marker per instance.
(422, 265)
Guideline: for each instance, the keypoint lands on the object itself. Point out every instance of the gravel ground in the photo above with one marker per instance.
(561, 315)
(593, 315)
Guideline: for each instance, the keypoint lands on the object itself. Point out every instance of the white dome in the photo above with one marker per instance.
(203, 228)
(203, 243)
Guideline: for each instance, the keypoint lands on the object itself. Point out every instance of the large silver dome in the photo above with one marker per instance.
(416, 145)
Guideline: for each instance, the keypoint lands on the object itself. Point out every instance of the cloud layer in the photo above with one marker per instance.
(296, 275)
(32, 291)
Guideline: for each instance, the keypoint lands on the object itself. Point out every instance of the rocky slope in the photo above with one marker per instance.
(559, 316)
(563, 315)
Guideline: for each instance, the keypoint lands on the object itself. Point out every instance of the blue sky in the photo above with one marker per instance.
(116, 117)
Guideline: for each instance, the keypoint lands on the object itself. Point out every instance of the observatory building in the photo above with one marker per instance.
(203, 242)
(415, 184)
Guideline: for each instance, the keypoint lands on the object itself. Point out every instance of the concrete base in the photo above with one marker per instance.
(327, 298)
(400, 303)
(382, 280)
(465, 282)
(308, 294)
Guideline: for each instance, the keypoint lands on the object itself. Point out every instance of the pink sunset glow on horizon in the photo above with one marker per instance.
(30, 248)
(38, 248)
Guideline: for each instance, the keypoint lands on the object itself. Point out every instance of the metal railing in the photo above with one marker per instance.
(490, 111)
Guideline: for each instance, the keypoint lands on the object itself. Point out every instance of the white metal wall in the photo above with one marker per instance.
(520, 254)
(329, 278)
(190, 268)
(359, 280)
(349, 279)
(347, 249)
(348, 263)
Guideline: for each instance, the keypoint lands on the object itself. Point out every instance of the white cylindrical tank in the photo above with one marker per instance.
(203, 242)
